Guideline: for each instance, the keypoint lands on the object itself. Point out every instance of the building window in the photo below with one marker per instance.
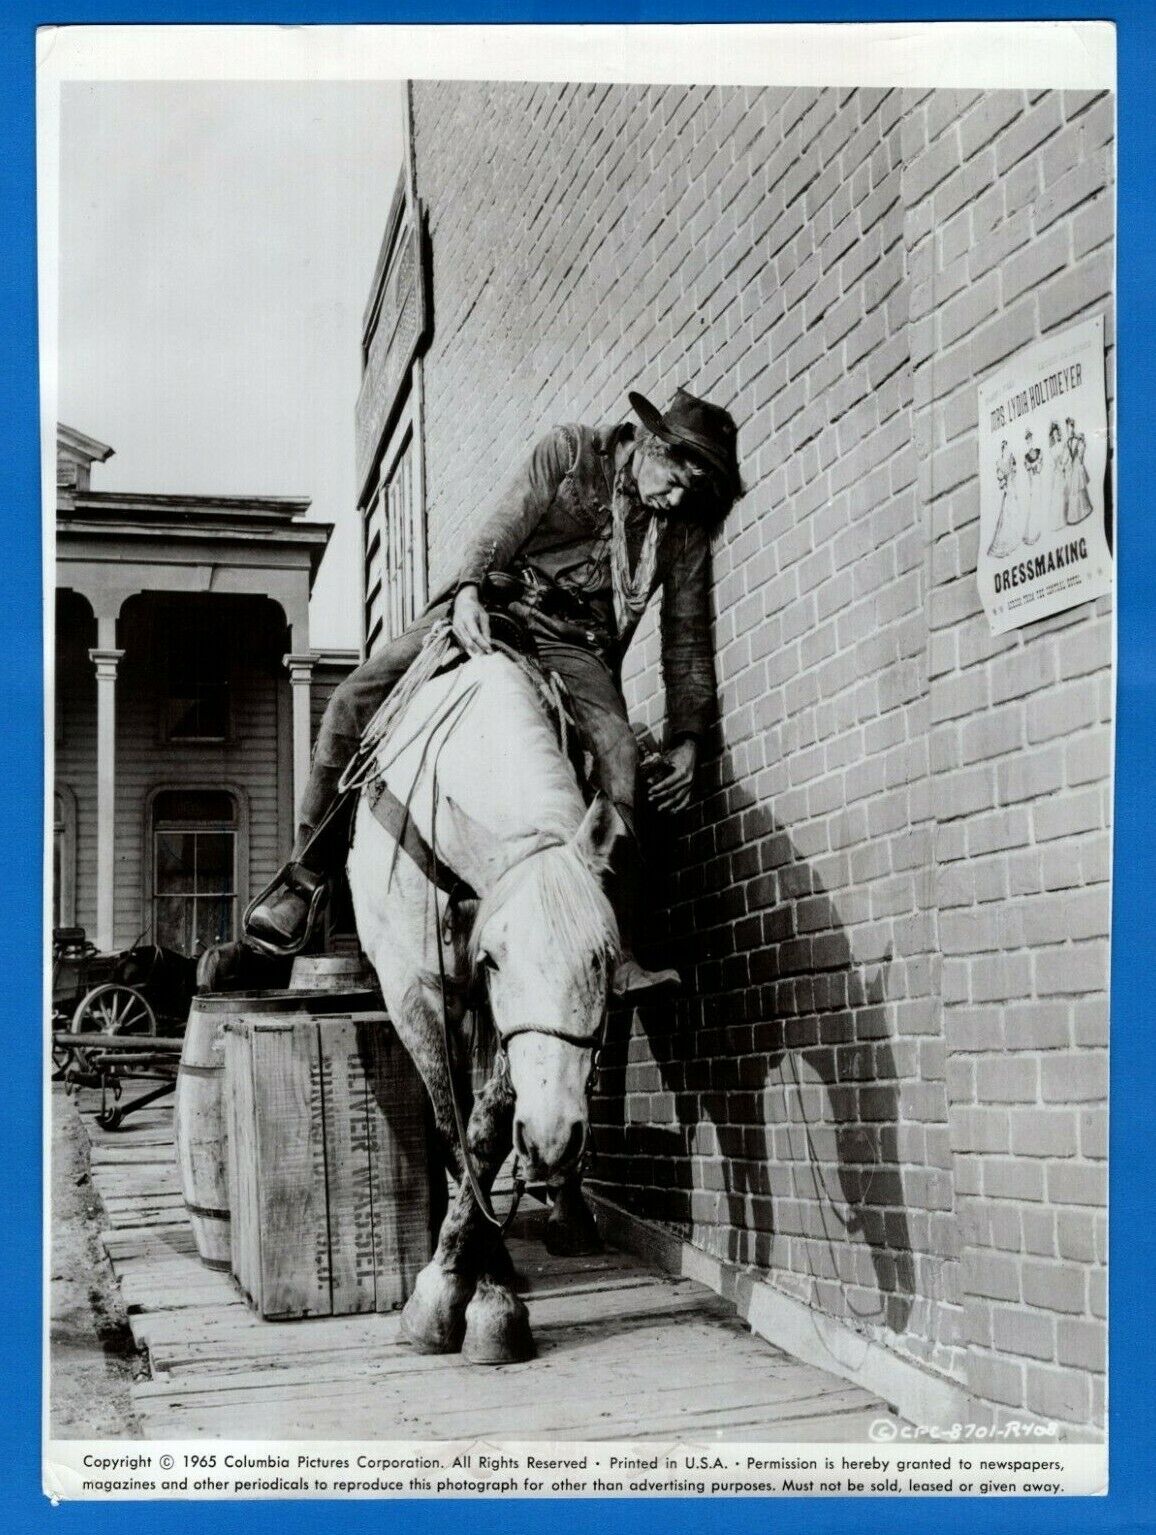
(194, 869)
(395, 579)
(63, 858)
(197, 699)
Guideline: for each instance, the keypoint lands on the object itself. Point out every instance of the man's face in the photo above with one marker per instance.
(665, 478)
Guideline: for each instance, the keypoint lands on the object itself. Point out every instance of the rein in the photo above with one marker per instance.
(368, 766)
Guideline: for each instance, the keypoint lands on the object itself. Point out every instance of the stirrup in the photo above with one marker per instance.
(303, 882)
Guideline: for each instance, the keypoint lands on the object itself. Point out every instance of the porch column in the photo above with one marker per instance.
(105, 659)
(300, 666)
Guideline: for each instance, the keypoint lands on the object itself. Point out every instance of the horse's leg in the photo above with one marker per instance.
(465, 1297)
(465, 1293)
(497, 1322)
(570, 1230)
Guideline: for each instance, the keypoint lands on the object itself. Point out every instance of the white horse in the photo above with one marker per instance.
(472, 789)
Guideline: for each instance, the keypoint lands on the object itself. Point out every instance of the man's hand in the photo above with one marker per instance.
(471, 622)
(672, 789)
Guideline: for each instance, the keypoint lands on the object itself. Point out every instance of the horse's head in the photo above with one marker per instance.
(545, 940)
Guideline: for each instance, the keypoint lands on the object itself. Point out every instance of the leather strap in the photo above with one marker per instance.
(397, 821)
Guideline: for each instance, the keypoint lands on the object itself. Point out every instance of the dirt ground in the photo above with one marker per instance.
(92, 1355)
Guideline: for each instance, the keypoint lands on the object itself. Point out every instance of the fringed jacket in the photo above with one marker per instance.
(553, 523)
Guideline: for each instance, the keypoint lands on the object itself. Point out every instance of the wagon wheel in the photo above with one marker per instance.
(114, 1009)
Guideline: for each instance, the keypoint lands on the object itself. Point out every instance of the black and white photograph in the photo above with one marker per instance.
(581, 662)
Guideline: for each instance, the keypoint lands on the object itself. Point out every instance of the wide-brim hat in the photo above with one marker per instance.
(706, 431)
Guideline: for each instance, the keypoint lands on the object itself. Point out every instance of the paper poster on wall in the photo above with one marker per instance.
(1043, 451)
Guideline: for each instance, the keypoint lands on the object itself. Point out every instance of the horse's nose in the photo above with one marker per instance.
(548, 1153)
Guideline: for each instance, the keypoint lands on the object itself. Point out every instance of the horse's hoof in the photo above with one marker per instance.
(570, 1230)
(497, 1327)
(433, 1320)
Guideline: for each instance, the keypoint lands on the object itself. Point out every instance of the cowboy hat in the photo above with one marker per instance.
(704, 430)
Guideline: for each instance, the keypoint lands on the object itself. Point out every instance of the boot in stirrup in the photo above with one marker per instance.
(281, 919)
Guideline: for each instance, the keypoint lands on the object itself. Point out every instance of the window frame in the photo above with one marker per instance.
(166, 701)
(239, 830)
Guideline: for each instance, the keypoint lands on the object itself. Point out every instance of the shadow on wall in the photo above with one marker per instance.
(761, 1109)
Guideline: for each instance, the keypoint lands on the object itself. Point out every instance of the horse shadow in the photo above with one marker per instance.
(758, 1110)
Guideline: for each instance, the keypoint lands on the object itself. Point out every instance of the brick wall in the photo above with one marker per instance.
(896, 993)
(1010, 224)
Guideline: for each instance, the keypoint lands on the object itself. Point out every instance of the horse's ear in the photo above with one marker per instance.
(601, 828)
(475, 851)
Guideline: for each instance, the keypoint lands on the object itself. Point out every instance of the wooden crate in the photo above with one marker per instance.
(329, 1166)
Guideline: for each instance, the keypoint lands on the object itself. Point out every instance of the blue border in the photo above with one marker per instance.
(1129, 1506)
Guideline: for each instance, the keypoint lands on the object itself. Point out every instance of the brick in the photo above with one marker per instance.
(992, 115)
(1077, 1184)
(923, 173)
(1087, 178)
(980, 1129)
(965, 313)
(1067, 815)
(1078, 292)
(1003, 1179)
(1062, 1395)
(991, 1274)
(1079, 967)
(1062, 712)
(1082, 1344)
(1008, 1080)
(1054, 1287)
(1018, 1331)
(1044, 1133)
(1042, 259)
(1030, 131)
(996, 1380)
(1076, 1235)
(1079, 1077)
(1094, 1134)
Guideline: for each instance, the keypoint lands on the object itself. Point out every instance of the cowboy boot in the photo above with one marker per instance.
(631, 980)
(282, 918)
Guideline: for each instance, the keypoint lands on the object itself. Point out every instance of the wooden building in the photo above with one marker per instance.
(186, 699)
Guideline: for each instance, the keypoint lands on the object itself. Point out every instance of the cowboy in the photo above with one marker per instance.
(591, 526)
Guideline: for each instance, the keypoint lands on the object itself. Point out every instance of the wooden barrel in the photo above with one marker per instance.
(199, 1117)
(331, 972)
(199, 1130)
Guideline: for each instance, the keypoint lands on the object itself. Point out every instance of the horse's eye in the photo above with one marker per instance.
(487, 962)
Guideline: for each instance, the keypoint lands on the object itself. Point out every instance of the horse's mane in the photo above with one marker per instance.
(570, 898)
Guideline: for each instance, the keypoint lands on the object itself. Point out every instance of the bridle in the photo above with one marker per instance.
(593, 1041)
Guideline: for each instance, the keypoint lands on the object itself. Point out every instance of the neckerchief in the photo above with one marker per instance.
(631, 589)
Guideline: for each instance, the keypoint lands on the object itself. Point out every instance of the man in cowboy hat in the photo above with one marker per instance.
(593, 523)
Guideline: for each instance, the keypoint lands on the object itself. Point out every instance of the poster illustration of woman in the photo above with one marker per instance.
(1057, 488)
(1077, 501)
(1033, 467)
(1008, 528)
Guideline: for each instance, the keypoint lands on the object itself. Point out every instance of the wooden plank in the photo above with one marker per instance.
(241, 1160)
(162, 1330)
(131, 1241)
(349, 1202)
(642, 1360)
(398, 1147)
(198, 1347)
(104, 1159)
(723, 1411)
(287, 1089)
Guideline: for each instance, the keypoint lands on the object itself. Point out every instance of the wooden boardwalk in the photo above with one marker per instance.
(625, 1352)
